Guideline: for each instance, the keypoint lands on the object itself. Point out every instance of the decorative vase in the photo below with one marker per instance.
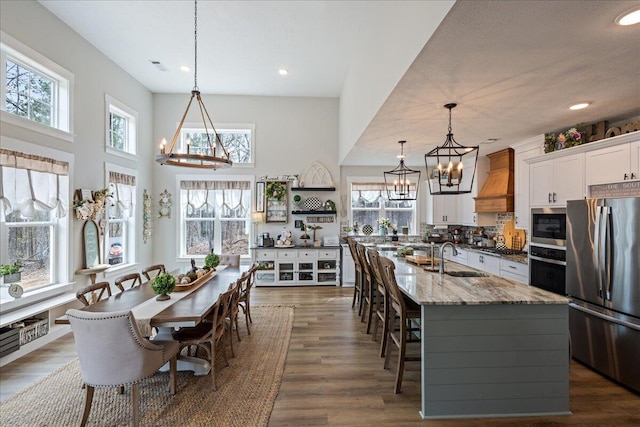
(11, 278)
(163, 297)
(383, 230)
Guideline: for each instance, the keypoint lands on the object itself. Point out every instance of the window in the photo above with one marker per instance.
(34, 215)
(121, 127)
(35, 92)
(369, 203)
(119, 233)
(237, 139)
(214, 215)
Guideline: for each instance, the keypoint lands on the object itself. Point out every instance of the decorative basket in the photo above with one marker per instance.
(34, 328)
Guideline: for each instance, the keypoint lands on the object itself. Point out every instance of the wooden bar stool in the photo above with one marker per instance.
(369, 285)
(357, 289)
(381, 306)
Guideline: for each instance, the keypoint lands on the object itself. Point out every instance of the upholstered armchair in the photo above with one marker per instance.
(113, 353)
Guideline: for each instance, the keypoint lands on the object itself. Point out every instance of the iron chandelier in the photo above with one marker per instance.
(402, 183)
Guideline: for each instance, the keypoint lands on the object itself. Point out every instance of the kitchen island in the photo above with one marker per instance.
(491, 347)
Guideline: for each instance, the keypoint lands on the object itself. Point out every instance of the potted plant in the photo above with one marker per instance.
(163, 284)
(10, 272)
(212, 261)
(297, 200)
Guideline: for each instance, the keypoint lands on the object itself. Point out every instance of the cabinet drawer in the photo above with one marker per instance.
(514, 267)
(262, 254)
(304, 254)
(515, 277)
(287, 254)
(328, 254)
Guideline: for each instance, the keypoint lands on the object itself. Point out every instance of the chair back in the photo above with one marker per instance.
(364, 263)
(374, 264)
(220, 316)
(235, 287)
(389, 277)
(230, 260)
(353, 248)
(111, 349)
(128, 281)
(152, 271)
(93, 293)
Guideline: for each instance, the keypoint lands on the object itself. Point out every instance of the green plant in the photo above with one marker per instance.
(297, 198)
(276, 190)
(7, 269)
(212, 260)
(163, 283)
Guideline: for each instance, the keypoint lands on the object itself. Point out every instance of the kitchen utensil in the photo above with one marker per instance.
(500, 243)
(508, 233)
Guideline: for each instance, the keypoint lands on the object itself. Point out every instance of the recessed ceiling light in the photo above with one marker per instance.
(579, 106)
(283, 71)
(630, 17)
(185, 68)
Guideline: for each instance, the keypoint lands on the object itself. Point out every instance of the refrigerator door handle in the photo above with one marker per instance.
(607, 251)
(596, 250)
(604, 316)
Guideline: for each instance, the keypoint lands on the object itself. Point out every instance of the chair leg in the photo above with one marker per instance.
(390, 329)
(237, 329)
(213, 368)
(230, 333)
(246, 319)
(401, 354)
(87, 404)
(373, 296)
(135, 405)
(356, 289)
(385, 327)
(249, 310)
(173, 367)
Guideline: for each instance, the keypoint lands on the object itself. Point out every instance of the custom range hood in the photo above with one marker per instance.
(496, 195)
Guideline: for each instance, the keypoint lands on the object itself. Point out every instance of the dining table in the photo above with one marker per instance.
(185, 311)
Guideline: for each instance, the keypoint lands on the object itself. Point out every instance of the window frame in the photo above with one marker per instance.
(24, 56)
(114, 106)
(221, 128)
(181, 255)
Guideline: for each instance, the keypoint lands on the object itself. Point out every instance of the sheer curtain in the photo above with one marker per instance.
(123, 193)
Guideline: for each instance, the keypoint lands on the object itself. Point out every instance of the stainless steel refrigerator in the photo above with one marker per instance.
(603, 280)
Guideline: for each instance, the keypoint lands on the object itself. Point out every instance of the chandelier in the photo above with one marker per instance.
(446, 164)
(213, 155)
(402, 183)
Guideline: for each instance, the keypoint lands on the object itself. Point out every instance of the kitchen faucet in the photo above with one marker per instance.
(444, 245)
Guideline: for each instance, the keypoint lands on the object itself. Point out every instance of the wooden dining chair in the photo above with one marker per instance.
(404, 322)
(244, 302)
(381, 308)
(93, 293)
(103, 341)
(357, 289)
(230, 260)
(153, 270)
(233, 309)
(128, 281)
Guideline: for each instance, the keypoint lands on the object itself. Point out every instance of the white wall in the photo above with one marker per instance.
(31, 24)
(290, 133)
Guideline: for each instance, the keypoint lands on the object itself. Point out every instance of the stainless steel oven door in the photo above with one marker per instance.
(549, 226)
(548, 274)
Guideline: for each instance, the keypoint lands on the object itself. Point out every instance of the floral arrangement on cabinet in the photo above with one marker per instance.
(385, 223)
(87, 208)
(567, 139)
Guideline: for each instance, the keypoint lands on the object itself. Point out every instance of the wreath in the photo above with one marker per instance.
(276, 190)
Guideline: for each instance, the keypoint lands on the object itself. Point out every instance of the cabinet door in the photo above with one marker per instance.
(635, 160)
(607, 165)
(541, 183)
(445, 209)
(522, 187)
(484, 262)
(348, 268)
(568, 179)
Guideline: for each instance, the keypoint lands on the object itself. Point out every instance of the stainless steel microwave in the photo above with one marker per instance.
(549, 226)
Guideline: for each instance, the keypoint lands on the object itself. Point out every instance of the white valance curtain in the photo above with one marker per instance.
(30, 183)
(122, 189)
(367, 192)
(216, 194)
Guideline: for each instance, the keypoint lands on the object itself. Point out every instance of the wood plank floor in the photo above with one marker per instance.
(334, 376)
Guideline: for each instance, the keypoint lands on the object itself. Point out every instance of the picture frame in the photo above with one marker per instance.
(260, 186)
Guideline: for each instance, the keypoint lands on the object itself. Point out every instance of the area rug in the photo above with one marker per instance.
(247, 389)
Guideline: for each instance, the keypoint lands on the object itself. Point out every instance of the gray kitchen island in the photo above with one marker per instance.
(491, 347)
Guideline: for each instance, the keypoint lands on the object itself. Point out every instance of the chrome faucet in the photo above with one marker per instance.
(444, 245)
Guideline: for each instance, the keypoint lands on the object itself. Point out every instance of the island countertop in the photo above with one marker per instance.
(432, 288)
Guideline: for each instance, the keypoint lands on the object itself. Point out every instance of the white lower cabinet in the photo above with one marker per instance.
(348, 267)
(514, 271)
(297, 267)
(485, 262)
(461, 257)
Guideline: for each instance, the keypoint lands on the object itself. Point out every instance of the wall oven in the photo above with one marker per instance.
(547, 266)
(549, 226)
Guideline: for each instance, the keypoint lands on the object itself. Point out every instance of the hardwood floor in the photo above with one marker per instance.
(334, 376)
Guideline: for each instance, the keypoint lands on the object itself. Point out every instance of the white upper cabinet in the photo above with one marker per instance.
(613, 164)
(442, 210)
(523, 151)
(554, 181)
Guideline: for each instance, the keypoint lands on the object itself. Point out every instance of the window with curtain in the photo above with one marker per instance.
(215, 215)
(369, 203)
(34, 198)
(119, 233)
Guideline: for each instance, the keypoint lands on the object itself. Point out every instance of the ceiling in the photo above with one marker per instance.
(513, 67)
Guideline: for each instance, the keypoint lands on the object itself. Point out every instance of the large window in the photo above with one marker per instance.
(120, 215)
(215, 215)
(237, 139)
(369, 203)
(121, 125)
(35, 92)
(34, 201)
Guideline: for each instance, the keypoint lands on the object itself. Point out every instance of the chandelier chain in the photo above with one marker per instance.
(195, 44)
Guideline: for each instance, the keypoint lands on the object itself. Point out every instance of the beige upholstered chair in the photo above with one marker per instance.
(230, 260)
(93, 293)
(244, 302)
(153, 270)
(113, 353)
(128, 281)
(404, 321)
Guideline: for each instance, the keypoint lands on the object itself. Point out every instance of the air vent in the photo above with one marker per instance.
(158, 65)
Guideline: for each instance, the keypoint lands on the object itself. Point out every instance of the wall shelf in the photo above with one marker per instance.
(313, 189)
(314, 212)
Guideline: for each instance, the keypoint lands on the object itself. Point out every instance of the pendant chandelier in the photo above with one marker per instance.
(402, 183)
(446, 164)
(211, 156)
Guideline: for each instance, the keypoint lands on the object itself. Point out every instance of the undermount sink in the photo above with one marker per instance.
(466, 274)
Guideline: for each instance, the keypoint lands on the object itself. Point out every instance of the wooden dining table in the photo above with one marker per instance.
(186, 312)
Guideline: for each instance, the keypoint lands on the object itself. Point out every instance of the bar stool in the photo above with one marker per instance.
(357, 289)
(381, 305)
(369, 285)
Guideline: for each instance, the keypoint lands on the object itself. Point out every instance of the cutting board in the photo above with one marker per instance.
(421, 259)
(508, 233)
(522, 237)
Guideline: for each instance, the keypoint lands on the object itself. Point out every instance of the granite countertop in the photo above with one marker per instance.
(432, 288)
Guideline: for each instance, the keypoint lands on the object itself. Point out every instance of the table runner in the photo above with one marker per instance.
(144, 312)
